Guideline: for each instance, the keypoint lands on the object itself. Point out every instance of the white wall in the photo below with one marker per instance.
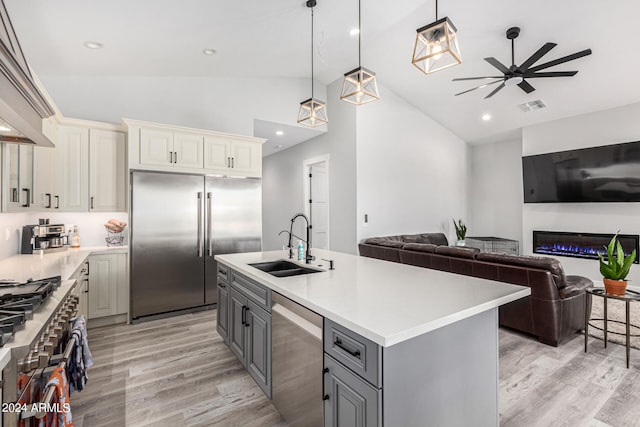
(90, 227)
(495, 190)
(221, 104)
(601, 128)
(412, 172)
(282, 179)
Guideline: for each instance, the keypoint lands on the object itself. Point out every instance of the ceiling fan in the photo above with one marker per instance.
(517, 75)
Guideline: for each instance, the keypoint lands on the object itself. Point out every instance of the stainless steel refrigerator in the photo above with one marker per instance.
(178, 223)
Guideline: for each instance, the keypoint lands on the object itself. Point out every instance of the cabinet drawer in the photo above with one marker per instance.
(223, 272)
(362, 356)
(259, 294)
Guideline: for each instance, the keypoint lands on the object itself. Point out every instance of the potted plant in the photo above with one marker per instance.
(461, 232)
(616, 268)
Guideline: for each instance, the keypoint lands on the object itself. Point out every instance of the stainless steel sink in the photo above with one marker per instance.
(283, 268)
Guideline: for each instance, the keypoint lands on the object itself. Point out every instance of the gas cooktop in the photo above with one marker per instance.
(18, 302)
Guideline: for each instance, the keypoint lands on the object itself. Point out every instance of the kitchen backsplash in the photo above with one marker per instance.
(90, 227)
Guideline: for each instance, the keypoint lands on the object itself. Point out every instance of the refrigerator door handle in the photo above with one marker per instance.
(209, 225)
(199, 224)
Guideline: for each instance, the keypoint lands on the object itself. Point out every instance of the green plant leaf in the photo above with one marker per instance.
(628, 262)
(620, 254)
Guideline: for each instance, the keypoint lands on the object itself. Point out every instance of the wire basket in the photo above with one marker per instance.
(113, 238)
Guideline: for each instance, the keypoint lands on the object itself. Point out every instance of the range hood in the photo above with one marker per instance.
(22, 105)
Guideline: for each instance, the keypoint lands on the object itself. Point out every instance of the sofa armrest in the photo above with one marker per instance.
(576, 285)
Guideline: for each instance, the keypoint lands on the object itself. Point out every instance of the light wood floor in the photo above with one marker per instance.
(178, 372)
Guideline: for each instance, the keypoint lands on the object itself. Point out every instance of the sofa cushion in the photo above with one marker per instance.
(435, 238)
(385, 241)
(552, 265)
(413, 238)
(420, 247)
(457, 252)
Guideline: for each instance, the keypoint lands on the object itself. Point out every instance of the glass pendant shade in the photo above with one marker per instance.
(436, 47)
(359, 86)
(312, 113)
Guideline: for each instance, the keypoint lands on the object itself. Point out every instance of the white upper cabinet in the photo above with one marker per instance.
(154, 146)
(246, 158)
(44, 161)
(17, 171)
(187, 150)
(169, 149)
(72, 169)
(107, 171)
(216, 153)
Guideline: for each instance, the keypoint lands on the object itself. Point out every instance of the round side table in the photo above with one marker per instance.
(627, 298)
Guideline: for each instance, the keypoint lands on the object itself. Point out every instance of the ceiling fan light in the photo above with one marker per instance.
(513, 81)
(312, 113)
(359, 86)
(436, 47)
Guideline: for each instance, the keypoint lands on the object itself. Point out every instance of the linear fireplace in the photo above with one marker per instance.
(580, 245)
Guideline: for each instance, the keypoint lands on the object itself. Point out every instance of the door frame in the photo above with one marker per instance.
(306, 166)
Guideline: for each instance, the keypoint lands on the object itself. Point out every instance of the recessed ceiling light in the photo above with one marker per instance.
(93, 45)
(354, 32)
(4, 129)
(209, 51)
(279, 133)
(486, 117)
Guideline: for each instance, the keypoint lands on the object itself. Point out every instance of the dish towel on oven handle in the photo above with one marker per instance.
(60, 414)
(80, 358)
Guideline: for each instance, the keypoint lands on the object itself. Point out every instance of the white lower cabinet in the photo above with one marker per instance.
(108, 285)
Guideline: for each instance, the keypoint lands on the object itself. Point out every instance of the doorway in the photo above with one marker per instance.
(316, 197)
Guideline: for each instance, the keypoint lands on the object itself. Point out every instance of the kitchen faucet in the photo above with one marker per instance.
(308, 257)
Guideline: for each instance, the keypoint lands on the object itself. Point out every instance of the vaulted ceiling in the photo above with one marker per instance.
(271, 38)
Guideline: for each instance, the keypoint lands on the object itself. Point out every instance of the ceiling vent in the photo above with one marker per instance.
(533, 105)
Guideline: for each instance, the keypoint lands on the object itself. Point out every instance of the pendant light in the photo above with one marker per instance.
(312, 112)
(359, 85)
(436, 46)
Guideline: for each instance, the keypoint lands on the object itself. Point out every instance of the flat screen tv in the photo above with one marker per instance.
(609, 173)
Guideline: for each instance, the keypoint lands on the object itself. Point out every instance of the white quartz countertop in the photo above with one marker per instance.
(40, 266)
(383, 301)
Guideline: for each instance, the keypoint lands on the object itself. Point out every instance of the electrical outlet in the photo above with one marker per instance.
(7, 234)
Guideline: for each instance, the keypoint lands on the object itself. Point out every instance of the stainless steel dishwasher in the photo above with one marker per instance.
(296, 362)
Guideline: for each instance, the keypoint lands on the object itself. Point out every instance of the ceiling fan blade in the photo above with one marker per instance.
(536, 56)
(480, 87)
(561, 60)
(476, 78)
(551, 74)
(495, 91)
(499, 65)
(526, 86)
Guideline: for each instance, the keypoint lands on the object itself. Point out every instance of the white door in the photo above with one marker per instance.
(107, 172)
(72, 169)
(156, 147)
(18, 177)
(216, 153)
(188, 150)
(317, 182)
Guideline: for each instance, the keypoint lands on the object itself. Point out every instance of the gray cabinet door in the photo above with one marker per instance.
(222, 315)
(237, 317)
(259, 347)
(349, 400)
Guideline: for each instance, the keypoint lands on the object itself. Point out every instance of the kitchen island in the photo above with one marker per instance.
(402, 345)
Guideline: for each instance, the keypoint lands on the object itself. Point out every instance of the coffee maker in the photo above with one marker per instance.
(43, 237)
